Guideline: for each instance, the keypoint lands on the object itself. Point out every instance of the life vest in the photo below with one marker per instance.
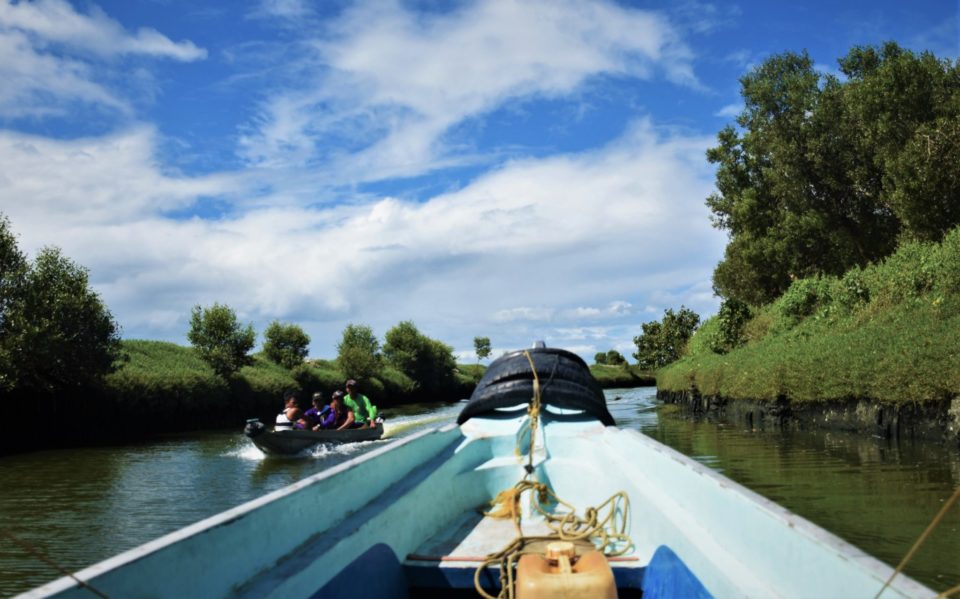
(283, 423)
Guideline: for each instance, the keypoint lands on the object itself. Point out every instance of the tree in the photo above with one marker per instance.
(482, 346)
(663, 342)
(358, 353)
(615, 358)
(427, 361)
(220, 340)
(285, 344)
(600, 357)
(57, 333)
(823, 175)
(13, 271)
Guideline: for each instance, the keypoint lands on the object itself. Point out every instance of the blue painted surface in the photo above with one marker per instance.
(376, 574)
(667, 577)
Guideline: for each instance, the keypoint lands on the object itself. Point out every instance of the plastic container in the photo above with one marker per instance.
(561, 575)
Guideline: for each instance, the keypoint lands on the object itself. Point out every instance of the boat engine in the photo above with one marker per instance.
(254, 427)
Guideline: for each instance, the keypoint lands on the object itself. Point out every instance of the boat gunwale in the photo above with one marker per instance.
(223, 518)
(902, 583)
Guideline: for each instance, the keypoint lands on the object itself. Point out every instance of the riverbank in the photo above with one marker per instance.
(162, 388)
(931, 421)
(875, 350)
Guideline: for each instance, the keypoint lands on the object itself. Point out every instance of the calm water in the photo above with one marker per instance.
(82, 506)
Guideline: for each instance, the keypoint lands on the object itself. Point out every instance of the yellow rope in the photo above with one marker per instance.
(948, 592)
(609, 530)
(923, 537)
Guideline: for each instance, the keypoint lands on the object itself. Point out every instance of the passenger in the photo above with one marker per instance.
(335, 415)
(364, 413)
(315, 415)
(292, 416)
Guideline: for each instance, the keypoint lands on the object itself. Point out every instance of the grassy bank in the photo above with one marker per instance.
(622, 376)
(889, 332)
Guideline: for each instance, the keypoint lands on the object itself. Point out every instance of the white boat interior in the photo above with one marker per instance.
(405, 520)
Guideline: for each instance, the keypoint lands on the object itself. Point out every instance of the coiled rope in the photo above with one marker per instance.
(603, 527)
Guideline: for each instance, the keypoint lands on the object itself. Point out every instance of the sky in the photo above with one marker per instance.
(519, 170)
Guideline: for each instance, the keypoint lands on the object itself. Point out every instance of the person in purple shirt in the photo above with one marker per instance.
(335, 414)
(316, 414)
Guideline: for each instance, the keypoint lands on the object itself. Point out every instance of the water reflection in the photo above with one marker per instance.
(877, 494)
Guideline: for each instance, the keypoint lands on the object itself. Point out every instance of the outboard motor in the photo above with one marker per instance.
(254, 427)
(565, 382)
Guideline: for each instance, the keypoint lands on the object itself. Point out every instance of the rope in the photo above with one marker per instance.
(608, 530)
(923, 537)
(42, 556)
(948, 592)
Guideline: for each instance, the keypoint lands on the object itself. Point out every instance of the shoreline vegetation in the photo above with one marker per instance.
(887, 335)
(162, 388)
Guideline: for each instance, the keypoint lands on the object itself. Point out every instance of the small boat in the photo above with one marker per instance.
(290, 442)
(609, 511)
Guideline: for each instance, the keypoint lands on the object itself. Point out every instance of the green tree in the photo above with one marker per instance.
(482, 347)
(615, 358)
(731, 320)
(427, 361)
(600, 357)
(13, 272)
(285, 344)
(663, 342)
(55, 332)
(822, 175)
(358, 353)
(220, 339)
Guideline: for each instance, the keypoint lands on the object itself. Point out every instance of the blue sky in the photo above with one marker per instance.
(517, 170)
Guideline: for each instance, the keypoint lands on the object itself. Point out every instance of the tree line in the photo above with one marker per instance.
(823, 174)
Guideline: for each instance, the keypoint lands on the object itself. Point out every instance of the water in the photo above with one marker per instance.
(81, 506)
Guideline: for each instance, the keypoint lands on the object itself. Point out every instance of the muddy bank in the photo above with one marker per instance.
(937, 421)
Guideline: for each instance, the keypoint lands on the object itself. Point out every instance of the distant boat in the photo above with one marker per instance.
(294, 441)
(407, 519)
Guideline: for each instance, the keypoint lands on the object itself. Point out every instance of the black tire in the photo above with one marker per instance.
(565, 382)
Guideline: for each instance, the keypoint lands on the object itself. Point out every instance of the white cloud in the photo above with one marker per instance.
(285, 9)
(397, 81)
(38, 85)
(56, 21)
(729, 111)
(52, 56)
(520, 254)
(524, 313)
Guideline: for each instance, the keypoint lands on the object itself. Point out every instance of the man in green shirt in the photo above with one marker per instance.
(364, 413)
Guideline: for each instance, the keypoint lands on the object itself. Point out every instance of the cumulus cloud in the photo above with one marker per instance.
(398, 81)
(51, 56)
(56, 21)
(521, 253)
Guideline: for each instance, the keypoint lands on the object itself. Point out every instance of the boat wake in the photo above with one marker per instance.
(245, 450)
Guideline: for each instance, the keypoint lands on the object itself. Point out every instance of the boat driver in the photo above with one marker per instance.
(364, 413)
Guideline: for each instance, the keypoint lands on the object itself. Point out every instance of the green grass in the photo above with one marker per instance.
(888, 332)
(612, 377)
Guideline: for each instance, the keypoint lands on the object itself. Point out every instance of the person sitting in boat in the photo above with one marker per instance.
(364, 413)
(292, 416)
(316, 414)
(335, 415)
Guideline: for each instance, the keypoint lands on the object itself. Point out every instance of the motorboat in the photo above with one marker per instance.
(294, 441)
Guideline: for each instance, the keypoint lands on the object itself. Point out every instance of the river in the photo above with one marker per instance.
(80, 506)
